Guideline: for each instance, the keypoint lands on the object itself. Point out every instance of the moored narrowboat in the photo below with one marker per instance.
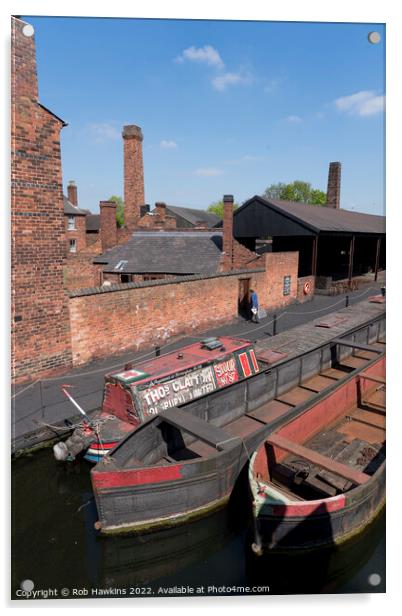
(319, 479)
(185, 462)
(138, 392)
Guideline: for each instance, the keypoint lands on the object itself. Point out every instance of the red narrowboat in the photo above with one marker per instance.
(133, 395)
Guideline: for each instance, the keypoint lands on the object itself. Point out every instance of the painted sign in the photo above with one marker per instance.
(130, 375)
(286, 285)
(177, 391)
(226, 372)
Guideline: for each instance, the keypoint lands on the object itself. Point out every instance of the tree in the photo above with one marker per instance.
(296, 191)
(119, 209)
(217, 208)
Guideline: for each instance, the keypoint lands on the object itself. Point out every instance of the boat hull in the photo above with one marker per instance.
(322, 523)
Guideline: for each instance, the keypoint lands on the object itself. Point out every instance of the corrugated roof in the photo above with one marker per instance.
(69, 208)
(195, 216)
(168, 252)
(321, 218)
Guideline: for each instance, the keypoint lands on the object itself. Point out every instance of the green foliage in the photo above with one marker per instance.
(296, 191)
(217, 208)
(119, 209)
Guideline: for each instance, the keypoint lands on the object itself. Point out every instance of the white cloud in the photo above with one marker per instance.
(221, 82)
(103, 131)
(208, 172)
(364, 103)
(168, 145)
(293, 119)
(206, 55)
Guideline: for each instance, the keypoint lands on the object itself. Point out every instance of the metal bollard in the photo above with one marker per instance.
(157, 351)
(347, 301)
(274, 326)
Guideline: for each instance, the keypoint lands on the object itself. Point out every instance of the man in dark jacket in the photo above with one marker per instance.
(254, 306)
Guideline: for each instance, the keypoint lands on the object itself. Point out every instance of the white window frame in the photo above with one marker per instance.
(73, 245)
(71, 222)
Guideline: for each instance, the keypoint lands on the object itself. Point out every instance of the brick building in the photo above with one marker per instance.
(75, 221)
(40, 320)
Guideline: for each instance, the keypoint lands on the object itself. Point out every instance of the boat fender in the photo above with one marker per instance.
(307, 288)
(97, 525)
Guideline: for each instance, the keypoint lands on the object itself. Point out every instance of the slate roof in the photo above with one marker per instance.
(167, 252)
(321, 218)
(194, 216)
(69, 208)
(92, 222)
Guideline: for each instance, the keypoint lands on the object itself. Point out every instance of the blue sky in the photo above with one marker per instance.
(225, 107)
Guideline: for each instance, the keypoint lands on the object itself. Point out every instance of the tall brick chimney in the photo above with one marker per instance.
(133, 175)
(227, 232)
(108, 226)
(72, 193)
(334, 186)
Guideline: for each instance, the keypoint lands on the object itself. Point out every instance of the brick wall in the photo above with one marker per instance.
(81, 273)
(78, 234)
(40, 334)
(302, 295)
(138, 315)
(278, 266)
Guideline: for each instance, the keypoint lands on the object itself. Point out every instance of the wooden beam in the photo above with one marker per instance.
(318, 459)
(207, 432)
(351, 256)
(314, 257)
(377, 258)
(356, 345)
(375, 379)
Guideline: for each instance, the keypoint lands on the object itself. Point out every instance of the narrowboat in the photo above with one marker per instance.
(138, 392)
(184, 462)
(319, 479)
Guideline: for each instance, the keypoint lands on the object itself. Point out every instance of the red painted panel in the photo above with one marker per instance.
(254, 361)
(245, 364)
(97, 445)
(119, 479)
(304, 509)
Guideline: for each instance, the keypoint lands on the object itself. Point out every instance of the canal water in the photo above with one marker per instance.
(55, 546)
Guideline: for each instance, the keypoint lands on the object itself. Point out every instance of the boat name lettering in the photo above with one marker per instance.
(226, 372)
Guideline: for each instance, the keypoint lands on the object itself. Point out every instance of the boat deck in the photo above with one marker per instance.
(250, 422)
(356, 440)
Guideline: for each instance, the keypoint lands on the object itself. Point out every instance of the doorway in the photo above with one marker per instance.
(244, 297)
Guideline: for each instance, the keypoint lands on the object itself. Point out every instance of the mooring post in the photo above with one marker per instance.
(157, 351)
(274, 326)
(347, 301)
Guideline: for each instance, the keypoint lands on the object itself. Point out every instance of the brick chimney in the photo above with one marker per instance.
(108, 225)
(72, 193)
(133, 175)
(334, 186)
(227, 232)
(161, 210)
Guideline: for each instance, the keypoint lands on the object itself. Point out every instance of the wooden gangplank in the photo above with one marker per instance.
(318, 459)
(207, 432)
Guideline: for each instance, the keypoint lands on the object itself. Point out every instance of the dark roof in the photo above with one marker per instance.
(167, 252)
(322, 218)
(195, 216)
(92, 222)
(69, 208)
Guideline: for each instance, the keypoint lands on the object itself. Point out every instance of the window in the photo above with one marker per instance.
(71, 223)
(126, 278)
(73, 245)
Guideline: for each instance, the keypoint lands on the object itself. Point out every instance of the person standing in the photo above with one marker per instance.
(254, 306)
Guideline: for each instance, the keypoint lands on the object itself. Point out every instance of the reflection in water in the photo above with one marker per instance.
(55, 544)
